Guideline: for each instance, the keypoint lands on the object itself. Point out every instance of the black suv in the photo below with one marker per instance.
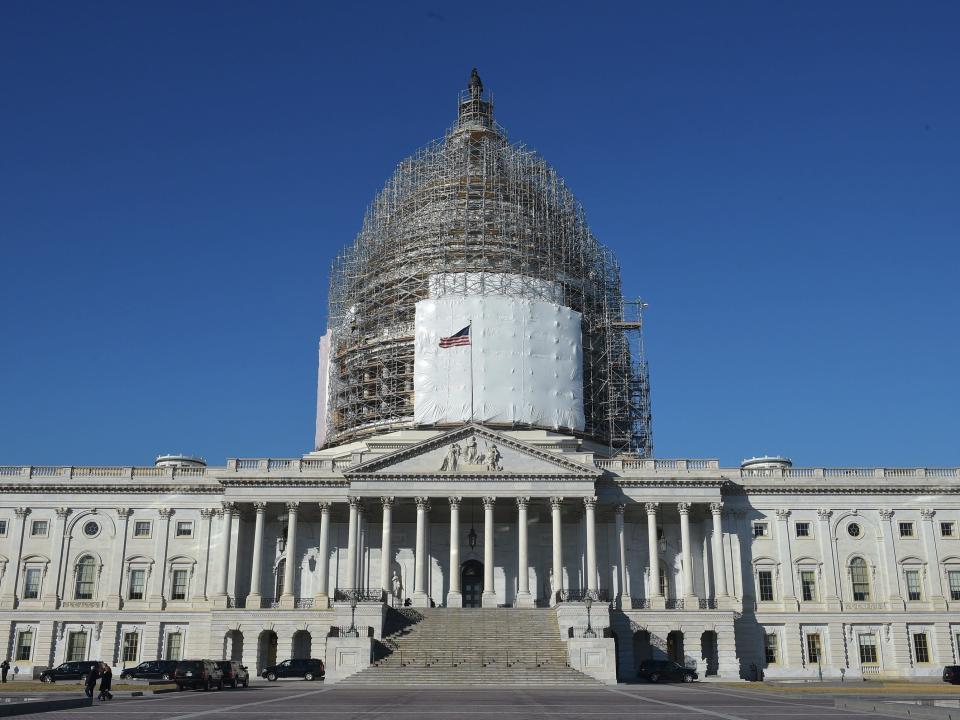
(951, 674)
(657, 670)
(234, 674)
(151, 670)
(302, 668)
(74, 670)
(195, 674)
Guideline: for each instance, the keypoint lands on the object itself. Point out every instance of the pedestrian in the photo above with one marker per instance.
(91, 681)
(4, 669)
(106, 678)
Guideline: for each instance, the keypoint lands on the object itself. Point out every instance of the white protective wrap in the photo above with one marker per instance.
(527, 362)
(323, 389)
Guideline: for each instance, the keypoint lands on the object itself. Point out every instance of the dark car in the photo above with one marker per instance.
(951, 674)
(196, 674)
(234, 674)
(657, 670)
(73, 670)
(151, 670)
(302, 668)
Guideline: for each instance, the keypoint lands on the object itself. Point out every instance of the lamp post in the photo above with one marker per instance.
(589, 633)
(352, 632)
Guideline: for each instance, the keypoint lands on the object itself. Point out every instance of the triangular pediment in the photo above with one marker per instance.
(472, 450)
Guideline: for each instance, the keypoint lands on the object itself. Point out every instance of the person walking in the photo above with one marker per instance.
(4, 669)
(106, 679)
(91, 681)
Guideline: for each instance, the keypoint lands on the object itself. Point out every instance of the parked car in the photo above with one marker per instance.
(234, 674)
(73, 670)
(657, 670)
(951, 674)
(303, 668)
(151, 670)
(195, 674)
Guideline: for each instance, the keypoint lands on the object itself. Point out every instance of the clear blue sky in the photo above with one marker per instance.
(780, 180)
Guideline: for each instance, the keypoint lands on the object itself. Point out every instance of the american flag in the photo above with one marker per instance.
(458, 338)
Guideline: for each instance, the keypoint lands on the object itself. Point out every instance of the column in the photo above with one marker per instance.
(386, 552)
(623, 593)
(420, 598)
(655, 598)
(556, 504)
(202, 588)
(159, 573)
(719, 566)
(932, 558)
(831, 593)
(119, 552)
(894, 594)
(590, 505)
(288, 600)
(524, 598)
(51, 589)
(790, 602)
(685, 549)
(256, 569)
(454, 597)
(352, 533)
(8, 600)
(220, 599)
(321, 600)
(489, 598)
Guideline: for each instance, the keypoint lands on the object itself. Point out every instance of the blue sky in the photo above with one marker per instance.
(781, 182)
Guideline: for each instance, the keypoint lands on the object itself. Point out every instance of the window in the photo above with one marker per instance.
(83, 589)
(953, 577)
(138, 582)
(859, 579)
(765, 583)
(278, 584)
(803, 529)
(24, 644)
(77, 646)
(854, 530)
(185, 528)
(31, 584)
(761, 530)
(179, 591)
(131, 646)
(3, 528)
(813, 648)
(946, 529)
(664, 585)
(921, 652)
(91, 529)
(868, 649)
(142, 528)
(38, 528)
(906, 529)
(174, 646)
(770, 648)
(808, 585)
(913, 585)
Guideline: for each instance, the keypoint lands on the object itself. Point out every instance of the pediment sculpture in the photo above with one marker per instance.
(471, 458)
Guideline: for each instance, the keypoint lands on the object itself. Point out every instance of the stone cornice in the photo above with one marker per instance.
(860, 489)
(105, 489)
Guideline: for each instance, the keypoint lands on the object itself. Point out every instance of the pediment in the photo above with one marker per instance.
(472, 450)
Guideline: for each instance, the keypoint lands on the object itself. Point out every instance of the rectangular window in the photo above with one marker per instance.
(954, 578)
(174, 646)
(3, 528)
(770, 648)
(868, 649)
(913, 585)
(138, 582)
(24, 644)
(946, 529)
(760, 529)
(31, 584)
(808, 585)
(906, 529)
(765, 581)
(38, 528)
(921, 653)
(179, 591)
(803, 529)
(141, 528)
(76, 646)
(131, 646)
(185, 528)
(813, 648)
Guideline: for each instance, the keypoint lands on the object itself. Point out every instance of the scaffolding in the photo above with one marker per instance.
(474, 214)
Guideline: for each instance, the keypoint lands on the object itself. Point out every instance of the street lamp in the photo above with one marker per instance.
(352, 632)
(472, 535)
(589, 633)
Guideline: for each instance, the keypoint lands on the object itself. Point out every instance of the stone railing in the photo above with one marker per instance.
(74, 472)
(859, 605)
(656, 465)
(659, 467)
(291, 465)
(81, 604)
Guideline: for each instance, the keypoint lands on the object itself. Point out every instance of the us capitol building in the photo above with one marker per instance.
(483, 483)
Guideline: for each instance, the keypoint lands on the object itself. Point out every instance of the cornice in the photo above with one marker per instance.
(862, 489)
(112, 489)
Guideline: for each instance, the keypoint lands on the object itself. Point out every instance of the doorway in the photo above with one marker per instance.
(471, 583)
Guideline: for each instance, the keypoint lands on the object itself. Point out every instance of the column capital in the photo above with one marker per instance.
(165, 512)
(293, 507)
(684, 508)
(716, 508)
(229, 507)
(652, 507)
(324, 506)
(355, 500)
(260, 507)
(826, 513)
(387, 501)
(927, 513)
(488, 502)
(782, 514)
(21, 512)
(620, 508)
(123, 512)
(207, 512)
(590, 502)
(886, 514)
(422, 502)
(454, 501)
(556, 502)
(522, 502)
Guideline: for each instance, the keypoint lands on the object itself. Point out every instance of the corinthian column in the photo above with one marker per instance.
(524, 598)
(655, 597)
(489, 598)
(622, 546)
(254, 597)
(685, 549)
(288, 599)
(420, 598)
(352, 533)
(719, 567)
(590, 505)
(385, 552)
(454, 596)
(321, 599)
(557, 585)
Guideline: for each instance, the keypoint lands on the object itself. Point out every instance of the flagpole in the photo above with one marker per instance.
(470, 333)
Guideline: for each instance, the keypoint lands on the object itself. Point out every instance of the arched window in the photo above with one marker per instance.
(86, 571)
(278, 586)
(859, 579)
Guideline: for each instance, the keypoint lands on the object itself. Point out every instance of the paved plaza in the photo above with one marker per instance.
(293, 700)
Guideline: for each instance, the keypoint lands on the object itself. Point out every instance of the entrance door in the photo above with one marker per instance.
(471, 583)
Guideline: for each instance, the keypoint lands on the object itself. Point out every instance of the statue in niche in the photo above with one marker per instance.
(452, 458)
(397, 586)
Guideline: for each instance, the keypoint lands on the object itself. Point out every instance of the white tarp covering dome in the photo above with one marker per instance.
(524, 357)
